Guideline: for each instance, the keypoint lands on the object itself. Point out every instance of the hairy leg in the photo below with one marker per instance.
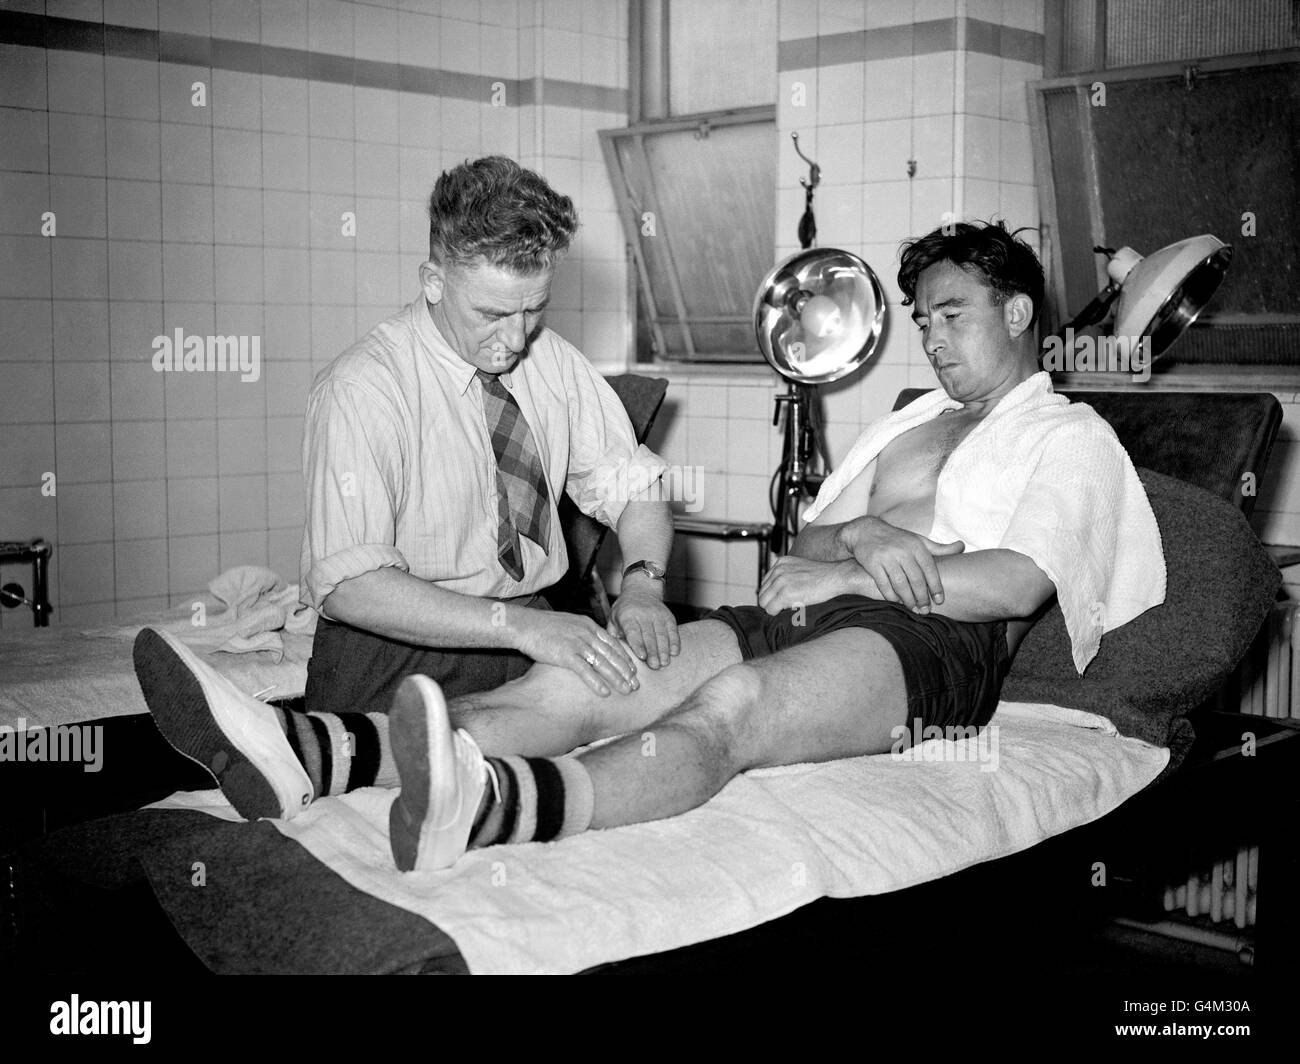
(549, 711)
(836, 696)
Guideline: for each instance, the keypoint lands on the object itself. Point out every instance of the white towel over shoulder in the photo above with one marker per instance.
(1049, 479)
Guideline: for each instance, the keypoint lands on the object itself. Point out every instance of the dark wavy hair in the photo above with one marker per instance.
(1007, 264)
(494, 209)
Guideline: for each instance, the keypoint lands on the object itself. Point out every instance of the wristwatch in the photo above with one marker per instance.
(651, 569)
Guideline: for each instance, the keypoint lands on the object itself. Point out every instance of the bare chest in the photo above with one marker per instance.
(922, 452)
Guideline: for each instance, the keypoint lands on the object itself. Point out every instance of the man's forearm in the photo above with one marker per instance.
(820, 543)
(645, 533)
(397, 605)
(989, 585)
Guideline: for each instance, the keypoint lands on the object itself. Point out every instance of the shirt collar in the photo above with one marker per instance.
(441, 352)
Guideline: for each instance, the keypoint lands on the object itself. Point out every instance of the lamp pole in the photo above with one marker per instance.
(793, 482)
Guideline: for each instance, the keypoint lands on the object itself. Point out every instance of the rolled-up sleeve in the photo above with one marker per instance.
(607, 467)
(354, 470)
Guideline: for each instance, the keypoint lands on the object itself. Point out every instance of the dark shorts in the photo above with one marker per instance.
(953, 669)
(355, 671)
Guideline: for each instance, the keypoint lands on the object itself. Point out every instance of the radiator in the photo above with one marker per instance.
(1266, 684)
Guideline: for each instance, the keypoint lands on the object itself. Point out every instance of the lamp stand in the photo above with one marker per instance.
(793, 481)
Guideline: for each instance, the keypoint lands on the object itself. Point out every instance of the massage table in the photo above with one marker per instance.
(275, 898)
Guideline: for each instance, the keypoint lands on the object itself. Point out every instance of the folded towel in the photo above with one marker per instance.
(259, 608)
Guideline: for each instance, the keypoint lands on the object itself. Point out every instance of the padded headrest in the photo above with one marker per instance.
(1148, 674)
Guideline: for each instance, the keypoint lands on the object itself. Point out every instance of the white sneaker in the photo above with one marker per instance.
(212, 722)
(444, 775)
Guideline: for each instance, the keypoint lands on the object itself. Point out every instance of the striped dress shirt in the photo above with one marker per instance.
(400, 470)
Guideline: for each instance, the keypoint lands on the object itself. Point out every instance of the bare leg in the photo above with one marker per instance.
(836, 696)
(549, 711)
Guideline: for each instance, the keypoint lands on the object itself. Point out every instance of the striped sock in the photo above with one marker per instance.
(542, 798)
(341, 751)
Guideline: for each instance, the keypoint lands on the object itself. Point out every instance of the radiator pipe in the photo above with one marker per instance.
(1243, 947)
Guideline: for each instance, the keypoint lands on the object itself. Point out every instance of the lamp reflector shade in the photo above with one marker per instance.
(1163, 293)
(818, 315)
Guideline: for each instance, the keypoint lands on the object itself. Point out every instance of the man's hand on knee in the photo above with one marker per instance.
(575, 643)
(648, 625)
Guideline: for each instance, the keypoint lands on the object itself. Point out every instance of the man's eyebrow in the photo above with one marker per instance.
(954, 301)
(505, 313)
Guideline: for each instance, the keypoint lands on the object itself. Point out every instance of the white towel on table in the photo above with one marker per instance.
(260, 608)
(1047, 478)
(768, 843)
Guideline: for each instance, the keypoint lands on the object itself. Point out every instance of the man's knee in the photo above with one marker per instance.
(720, 716)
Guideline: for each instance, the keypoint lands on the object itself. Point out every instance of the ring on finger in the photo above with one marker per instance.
(589, 658)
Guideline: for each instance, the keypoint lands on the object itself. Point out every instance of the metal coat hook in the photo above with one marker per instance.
(808, 223)
(814, 171)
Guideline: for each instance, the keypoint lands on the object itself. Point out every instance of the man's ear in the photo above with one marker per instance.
(1017, 313)
(433, 280)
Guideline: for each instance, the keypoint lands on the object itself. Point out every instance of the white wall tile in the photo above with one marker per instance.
(186, 153)
(1015, 153)
(130, 88)
(236, 99)
(375, 34)
(797, 19)
(982, 147)
(24, 199)
(932, 84)
(284, 23)
(840, 94)
(983, 87)
(840, 151)
(77, 144)
(179, 98)
(22, 77)
(76, 82)
(237, 158)
(236, 20)
(886, 211)
(888, 13)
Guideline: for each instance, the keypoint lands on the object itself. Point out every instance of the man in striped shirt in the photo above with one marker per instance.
(434, 454)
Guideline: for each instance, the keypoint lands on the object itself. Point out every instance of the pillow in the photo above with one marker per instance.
(1148, 674)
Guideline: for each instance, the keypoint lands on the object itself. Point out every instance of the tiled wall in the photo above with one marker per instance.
(227, 218)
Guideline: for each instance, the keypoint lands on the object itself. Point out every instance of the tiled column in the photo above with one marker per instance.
(915, 110)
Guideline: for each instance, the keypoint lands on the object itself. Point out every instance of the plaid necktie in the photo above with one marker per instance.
(522, 500)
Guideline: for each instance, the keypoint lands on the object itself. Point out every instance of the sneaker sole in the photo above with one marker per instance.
(408, 732)
(185, 715)
(425, 756)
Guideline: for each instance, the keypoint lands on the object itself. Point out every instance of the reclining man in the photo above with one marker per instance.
(931, 550)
